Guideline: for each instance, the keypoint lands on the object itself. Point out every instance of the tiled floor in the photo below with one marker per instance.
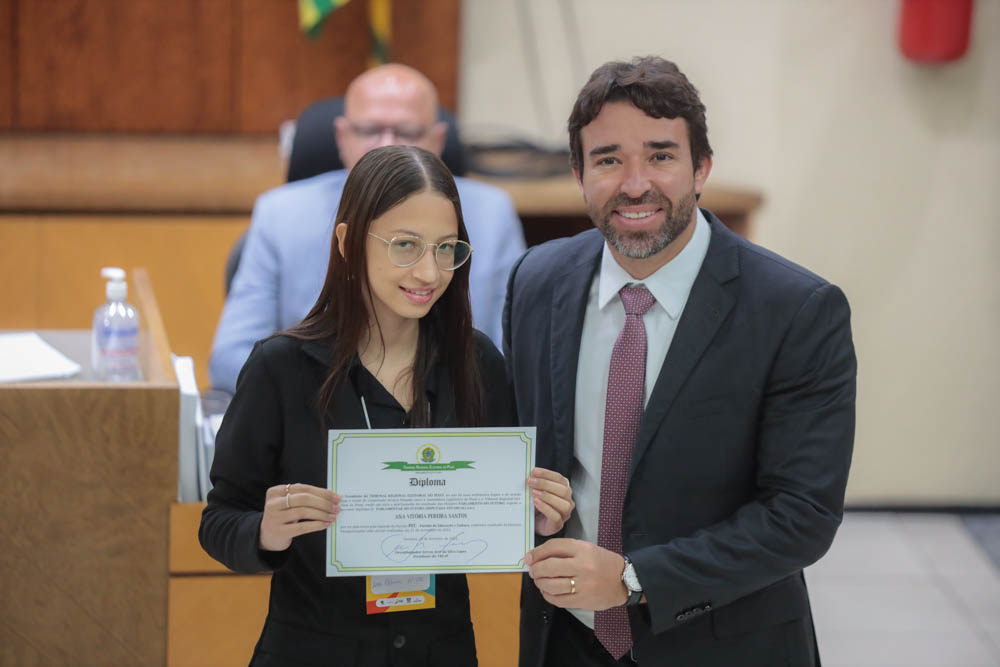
(906, 589)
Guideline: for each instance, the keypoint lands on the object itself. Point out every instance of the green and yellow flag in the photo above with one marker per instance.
(312, 13)
(380, 24)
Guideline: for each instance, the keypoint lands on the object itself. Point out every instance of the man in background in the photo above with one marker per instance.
(697, 390)
(287, 249)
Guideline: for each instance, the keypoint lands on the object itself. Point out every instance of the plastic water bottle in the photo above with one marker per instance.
(114, 350)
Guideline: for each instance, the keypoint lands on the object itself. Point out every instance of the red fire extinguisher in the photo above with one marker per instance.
(935, 31)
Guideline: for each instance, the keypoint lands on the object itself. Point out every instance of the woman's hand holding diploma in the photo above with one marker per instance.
(291, 510)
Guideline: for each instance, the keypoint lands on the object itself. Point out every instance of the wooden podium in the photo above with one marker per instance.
(88, 471)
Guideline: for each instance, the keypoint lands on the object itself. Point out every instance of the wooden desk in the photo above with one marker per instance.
(89, 470)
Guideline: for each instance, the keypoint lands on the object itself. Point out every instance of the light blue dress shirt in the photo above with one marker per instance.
(287, 251)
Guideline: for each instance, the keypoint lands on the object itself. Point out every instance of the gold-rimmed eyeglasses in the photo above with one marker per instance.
(406, 251)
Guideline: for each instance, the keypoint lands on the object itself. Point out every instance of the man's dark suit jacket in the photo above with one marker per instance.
(738, 473)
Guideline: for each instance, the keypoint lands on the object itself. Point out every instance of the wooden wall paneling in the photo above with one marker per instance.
(495, 600)
(14, 649)
(20, 270)
(425, 36)
(90, 471)
(215, 620)
(7, 64)
(201, 65)
(185, 257)
(125, 65)
(186, 554)
(279, 70)
(151, 173)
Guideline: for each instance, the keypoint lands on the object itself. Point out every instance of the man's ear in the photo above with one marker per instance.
(341, 130)
(436, 137)
(341, 232)
(701, 174)
(578, 177)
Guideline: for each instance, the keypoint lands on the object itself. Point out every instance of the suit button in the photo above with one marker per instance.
(399, 641)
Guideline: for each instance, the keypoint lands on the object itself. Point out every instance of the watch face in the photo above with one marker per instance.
(630, 578)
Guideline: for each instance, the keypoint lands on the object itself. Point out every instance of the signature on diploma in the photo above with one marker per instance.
(400, 547)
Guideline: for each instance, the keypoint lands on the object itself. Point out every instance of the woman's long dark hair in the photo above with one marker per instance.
(382, 179)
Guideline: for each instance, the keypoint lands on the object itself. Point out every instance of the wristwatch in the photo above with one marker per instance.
(631, 581)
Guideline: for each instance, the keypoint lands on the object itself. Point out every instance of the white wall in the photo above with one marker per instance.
(879, 174)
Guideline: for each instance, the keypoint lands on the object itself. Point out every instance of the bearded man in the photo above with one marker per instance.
(697, 390)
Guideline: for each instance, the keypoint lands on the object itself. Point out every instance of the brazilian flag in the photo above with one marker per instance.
(380, 24)
(312, 13)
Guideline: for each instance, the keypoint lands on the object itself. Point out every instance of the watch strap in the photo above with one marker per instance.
(634, 596)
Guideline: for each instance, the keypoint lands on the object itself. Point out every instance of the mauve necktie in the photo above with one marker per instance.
(623, 411)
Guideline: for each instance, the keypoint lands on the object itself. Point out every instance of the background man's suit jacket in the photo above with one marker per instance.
(738, 473)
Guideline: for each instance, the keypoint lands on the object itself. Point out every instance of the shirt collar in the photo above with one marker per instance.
(670, 284)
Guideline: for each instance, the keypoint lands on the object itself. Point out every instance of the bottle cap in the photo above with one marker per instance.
(117, 288)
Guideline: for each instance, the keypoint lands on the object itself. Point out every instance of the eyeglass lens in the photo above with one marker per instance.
(448, 255)
(401, 133)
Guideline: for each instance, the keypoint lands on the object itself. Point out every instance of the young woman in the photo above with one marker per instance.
(389, 344)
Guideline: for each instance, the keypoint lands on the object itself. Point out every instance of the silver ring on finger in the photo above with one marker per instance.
(288, 505)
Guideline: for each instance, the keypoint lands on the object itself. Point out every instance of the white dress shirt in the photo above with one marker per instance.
(603, 321)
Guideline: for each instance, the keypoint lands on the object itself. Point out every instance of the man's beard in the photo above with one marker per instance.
(641, 244)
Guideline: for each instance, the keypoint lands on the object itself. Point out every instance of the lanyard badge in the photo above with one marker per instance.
(404, 592)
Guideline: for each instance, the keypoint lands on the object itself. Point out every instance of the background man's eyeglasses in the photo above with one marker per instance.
(403, 133)
(407, 250)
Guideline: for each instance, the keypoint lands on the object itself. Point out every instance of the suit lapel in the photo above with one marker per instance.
(707, 307)
(569, 305)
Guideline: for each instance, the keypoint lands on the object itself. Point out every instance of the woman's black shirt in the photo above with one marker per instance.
(271, 435)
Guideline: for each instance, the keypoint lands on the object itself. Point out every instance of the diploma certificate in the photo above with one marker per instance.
(423, 500)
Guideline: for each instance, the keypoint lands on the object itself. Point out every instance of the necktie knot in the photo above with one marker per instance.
(637, 300)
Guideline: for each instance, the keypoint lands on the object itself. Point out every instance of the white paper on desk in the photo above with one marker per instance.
(25, 356)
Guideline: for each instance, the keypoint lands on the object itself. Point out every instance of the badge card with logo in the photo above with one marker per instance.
(407, 592)
(423, 500)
